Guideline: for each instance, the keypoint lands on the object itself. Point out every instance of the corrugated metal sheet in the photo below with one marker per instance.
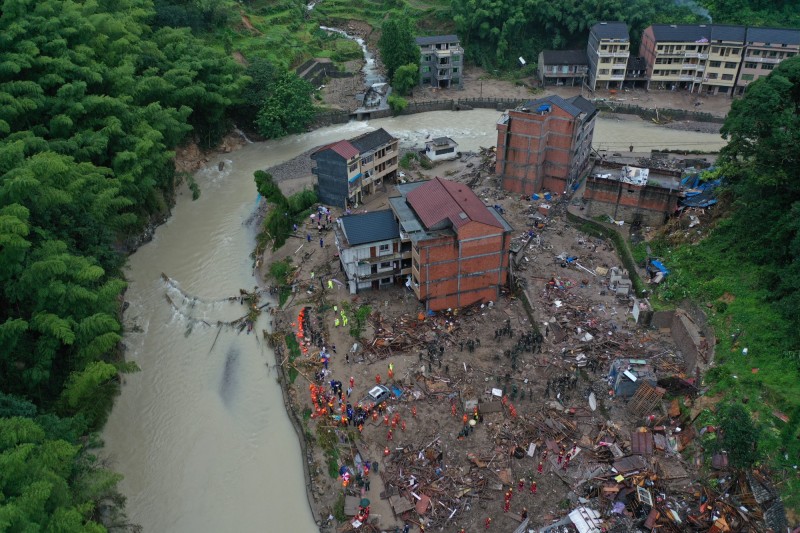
(343, 148)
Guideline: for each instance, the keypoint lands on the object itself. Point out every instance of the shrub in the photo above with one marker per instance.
(397, 104)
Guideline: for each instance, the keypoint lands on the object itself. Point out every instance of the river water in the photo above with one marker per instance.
(201, 434)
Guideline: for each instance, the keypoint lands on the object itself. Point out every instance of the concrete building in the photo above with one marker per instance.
(545, 144)
(441, 62)
(764, 49)
(459, 246)
(608, 51)
(723, 61)
(441, 149)
(676, 55)
(349, 170)
(563, 67)
(370, 250)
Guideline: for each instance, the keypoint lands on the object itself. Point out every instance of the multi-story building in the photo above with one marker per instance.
(459, 246)
(563, 67)
(765, 48)
(676, 55)
(545, 144)
(370, 250)
(698, 58)
(441, 62)
(608, 51)
(713, 58)
(349, 170)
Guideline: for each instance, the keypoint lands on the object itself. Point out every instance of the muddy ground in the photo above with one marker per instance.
(476, 470)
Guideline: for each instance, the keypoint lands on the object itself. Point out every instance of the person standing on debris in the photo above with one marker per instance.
(506, 506)
(377, 379)
(539, 470)
(352, 382)
(330, 284)
(487, 523)
(321, 243)
(533, 486)
(308, 237)
(336, 322)
(391, 370)
(521, 484)
(406, 528)
(414, 411)
(524, 513)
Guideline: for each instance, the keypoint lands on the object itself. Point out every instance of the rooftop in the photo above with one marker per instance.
(611, 30)
(698, 33)
(372, 140)
(565, 57)
(442, 141)
(370, 227)
(574, 106)
(433, 39)
(438, 200)
(343, 148)
(773, 36)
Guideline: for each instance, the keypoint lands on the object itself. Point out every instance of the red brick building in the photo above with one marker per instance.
(459, 246)
(545, 144)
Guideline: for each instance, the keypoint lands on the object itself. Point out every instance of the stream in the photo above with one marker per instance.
(200, 434)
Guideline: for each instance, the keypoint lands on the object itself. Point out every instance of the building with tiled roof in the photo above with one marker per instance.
(545, 144)
(562, 67)
(607, 51)
(347, 171)
(459, 246)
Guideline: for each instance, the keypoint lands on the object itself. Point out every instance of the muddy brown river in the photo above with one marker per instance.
(201, 434)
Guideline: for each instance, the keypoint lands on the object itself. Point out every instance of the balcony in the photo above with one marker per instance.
(620, 65)
(698, 55)
(617, 76)
(606, 53)
(689, 66)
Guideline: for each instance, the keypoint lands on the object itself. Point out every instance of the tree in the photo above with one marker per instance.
(760, 164)
(397, 45)
(288, 108)
(738, 435)
(398, 104)
(406, 78)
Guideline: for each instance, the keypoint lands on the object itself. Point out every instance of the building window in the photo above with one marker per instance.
(426, 58)
(426, 80)
(767, 66)
(455, 81)
(756, 52)
(455, 69)
(386, 281)
(383, 248)
(387, 264)
(730, 64)
(727, 77)
(352, 167)
(426, 69)
(747, 77)
(773, 53)
(750, 64)
(605, 60)
(456, 59)
(713, 75)
(735, 51)
(715, 64)
(603, 71)
(715, 49)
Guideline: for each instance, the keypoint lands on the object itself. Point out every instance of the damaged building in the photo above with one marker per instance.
(459, 246)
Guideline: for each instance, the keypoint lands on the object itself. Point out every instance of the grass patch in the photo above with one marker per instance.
(768, 374)
(294, 353)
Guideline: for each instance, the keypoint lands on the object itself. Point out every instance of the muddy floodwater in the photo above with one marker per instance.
(201, 434)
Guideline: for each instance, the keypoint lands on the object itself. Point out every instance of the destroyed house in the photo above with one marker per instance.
(441, 61)
(562, 67)
(459, 245)
(626, 375)
(347, 171)
(545, 144)
(370, 250)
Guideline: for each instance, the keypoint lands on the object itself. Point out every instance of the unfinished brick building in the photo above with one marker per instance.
(459, 246)
(545, 144)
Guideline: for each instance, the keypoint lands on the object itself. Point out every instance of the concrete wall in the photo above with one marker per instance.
(649, 204)
(350, 258)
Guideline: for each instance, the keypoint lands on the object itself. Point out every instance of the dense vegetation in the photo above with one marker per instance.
(92, 101)
(748, 270)
(777, 13)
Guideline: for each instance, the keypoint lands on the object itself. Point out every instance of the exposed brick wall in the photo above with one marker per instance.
(456, 276)
(622, 201)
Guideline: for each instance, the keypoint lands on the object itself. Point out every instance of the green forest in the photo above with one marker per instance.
(95, 97)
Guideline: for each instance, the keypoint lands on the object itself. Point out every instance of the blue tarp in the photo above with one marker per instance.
(658, 265)
(354, 178)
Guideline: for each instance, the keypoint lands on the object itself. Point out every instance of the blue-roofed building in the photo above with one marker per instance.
(370, 250)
